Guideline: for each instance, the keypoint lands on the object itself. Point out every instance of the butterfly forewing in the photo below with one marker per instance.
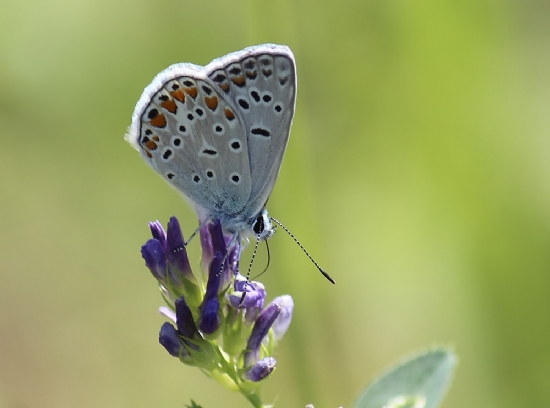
(195, 139)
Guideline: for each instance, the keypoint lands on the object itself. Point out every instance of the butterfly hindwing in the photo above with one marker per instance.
(261, 83)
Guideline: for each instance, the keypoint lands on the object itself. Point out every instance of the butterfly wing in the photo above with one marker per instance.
(189, 133)
(218, 133)
(260, 82)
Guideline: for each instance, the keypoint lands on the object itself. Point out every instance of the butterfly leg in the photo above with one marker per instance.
(202, 224)
(229, 245)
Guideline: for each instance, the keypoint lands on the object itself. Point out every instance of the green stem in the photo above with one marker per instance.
(254, 399)
(251, 396)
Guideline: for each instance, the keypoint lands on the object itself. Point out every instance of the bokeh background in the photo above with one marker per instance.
(417, 174)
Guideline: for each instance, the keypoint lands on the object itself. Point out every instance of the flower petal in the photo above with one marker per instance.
(153, 254)
(210, 304)
(184, 319)
(168, 337)
(281, 324)
(176, 254)
(210, 319)
(259, 331)
(158, 232)
(261, 369)
(168, 313)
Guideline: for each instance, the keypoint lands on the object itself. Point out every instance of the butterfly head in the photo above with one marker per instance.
(262, 226)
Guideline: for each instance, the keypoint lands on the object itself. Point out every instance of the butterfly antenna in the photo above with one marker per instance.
(268, 261)
(326, 275)
(249, 269)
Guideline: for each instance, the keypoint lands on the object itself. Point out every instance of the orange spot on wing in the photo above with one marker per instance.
(225, 87)
(158, 121)
(229, 114)
(156, 138)
(169, 105)
(238, 80)
(149, 154)
(252, 74)
(192, 92)
(151, 145)
(211, 102)
(179, 95)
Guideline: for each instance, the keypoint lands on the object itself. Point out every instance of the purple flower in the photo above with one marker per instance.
(165, 254)
(158, 232)
(175, 340)
(168, 313)
(212, 321)
(282, 322)
(210, 306)
(261, 327)
(184, 319)
(214, 241)
(206, 245)
(261, 369)
(169, 338)
(153, 254)
(255, 294)
(234, 256)
(176, 255)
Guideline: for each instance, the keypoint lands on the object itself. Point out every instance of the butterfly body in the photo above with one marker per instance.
(218, 133)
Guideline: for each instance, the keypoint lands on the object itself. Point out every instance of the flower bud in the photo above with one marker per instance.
(176, 254)
(169, 338)
(184, 319)
(210, 306)
(153, 254)
(259, 331)
(281, 324)
(260, 370)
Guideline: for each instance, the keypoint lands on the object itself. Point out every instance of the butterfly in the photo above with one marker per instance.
(218, 134)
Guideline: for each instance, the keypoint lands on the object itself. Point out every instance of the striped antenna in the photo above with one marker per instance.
(326, 275)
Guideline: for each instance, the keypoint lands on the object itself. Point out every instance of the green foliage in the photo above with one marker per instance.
(420, 382)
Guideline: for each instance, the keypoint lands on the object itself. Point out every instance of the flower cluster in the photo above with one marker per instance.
(221, 322)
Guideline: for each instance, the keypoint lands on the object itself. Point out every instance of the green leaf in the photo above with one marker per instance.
(193, 405)
(420, 382)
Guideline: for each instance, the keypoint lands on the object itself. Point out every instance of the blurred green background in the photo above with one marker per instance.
(417, 174)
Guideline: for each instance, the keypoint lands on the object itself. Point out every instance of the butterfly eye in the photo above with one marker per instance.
(258, 225)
